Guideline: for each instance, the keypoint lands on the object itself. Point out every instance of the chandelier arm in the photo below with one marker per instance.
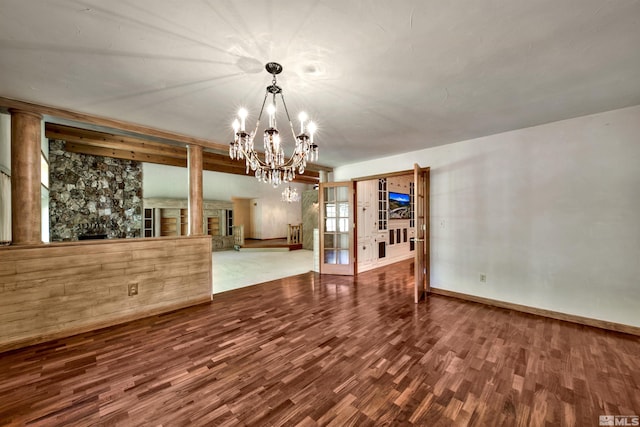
(262, 164)
(254, 156)
(292, 163)
(293, 132)
(264, 101)
(285, 107)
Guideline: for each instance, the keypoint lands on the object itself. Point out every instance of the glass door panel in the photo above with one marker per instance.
(336, 200)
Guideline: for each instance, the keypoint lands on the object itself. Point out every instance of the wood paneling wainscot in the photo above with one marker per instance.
(60, 289)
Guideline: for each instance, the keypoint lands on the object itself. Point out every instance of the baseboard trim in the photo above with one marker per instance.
(587, 321)
(25, 342)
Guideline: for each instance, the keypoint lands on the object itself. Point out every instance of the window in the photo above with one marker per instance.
(44, 170)
(382, 204)
(412, 205)
(229, 222)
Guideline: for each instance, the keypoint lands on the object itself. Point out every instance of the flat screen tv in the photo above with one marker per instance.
(399, 206)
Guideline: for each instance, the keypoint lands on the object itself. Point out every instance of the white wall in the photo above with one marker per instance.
(274, 215)
(551, 214)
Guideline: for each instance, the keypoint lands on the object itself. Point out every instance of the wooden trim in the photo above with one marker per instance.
(315, 167)
(421, 227)
(33, 114)
(587, 321)
(427, 223)
(99, 242)
(100, 325)
(383, 175)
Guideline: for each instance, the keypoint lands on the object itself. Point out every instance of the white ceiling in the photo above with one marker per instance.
(379, 77)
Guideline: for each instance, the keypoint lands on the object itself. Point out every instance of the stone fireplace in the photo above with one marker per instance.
(93, 196)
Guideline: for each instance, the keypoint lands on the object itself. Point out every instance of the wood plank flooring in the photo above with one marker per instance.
(328, 350)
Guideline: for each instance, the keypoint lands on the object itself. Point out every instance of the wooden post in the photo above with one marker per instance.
(194, 165)
(25, 177)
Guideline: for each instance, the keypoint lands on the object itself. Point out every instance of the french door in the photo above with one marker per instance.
(336, 228)
(421, 214)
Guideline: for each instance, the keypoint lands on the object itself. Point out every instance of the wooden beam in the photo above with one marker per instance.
(210, 162)
(120, 125)
(224, 160)
(75, 147)
(95, 134)
(98, 139)
(132, 148)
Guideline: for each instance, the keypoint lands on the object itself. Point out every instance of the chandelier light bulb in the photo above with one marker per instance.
(271, 110)
(303, 118)
(242, 113)
(312, 129)
(236, 126)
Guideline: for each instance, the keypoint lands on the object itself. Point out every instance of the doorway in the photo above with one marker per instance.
(387, 222)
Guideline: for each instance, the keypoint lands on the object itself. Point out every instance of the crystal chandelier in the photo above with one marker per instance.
(274, 168)
(290, 195)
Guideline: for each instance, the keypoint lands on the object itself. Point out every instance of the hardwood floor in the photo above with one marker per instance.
(329, 350)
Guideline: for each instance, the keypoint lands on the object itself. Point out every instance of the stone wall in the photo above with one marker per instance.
(93, 196)
(309, 217)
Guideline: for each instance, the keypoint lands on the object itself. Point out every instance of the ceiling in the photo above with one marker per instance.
(378, 77)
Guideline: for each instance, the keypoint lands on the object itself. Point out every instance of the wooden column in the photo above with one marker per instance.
(25, 177)
(194, 164)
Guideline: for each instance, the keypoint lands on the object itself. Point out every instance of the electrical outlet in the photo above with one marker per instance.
(133, 289)
(483, 278)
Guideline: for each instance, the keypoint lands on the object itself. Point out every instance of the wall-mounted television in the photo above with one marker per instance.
(399, 205)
